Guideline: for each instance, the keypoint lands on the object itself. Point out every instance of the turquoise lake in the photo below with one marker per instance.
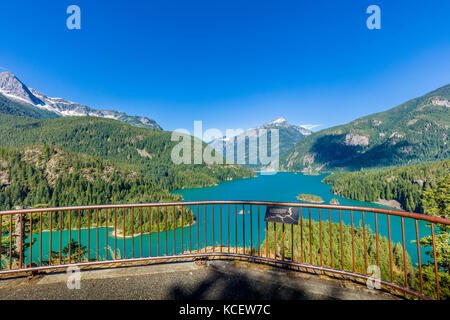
(279, 187)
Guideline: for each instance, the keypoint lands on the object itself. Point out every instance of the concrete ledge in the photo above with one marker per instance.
(203, 279)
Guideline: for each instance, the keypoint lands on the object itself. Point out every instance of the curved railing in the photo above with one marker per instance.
(379, 246)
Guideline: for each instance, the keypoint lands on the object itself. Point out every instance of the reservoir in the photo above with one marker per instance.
(283, 187)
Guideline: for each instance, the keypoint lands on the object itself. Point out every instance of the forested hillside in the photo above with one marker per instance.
(53, 177)
(143, 150)
(47, 175)
(414, 132)
(402, 184)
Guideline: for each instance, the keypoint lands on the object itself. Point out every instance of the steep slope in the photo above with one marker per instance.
(415, 131)
(289, 135)
(402, 184)
(14, 107)
(13, 89)
(143, 150)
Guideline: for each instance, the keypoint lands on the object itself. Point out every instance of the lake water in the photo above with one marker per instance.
(279, 187)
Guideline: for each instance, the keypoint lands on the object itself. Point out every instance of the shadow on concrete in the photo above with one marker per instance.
(249, 285)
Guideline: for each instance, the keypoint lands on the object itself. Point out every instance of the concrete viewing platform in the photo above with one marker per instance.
(204, 280)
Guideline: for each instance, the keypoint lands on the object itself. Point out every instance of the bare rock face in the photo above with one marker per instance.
(441, 102)
(10, 86)
(376, 123)
(308, 159)
(4, 173)
(356, 140)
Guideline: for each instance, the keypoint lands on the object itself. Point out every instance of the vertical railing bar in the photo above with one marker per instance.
(142, 235)
(259, 231)
(206, 241)
(320, 235)
(275, 240)
(353, 242)
(251, 231)
(213, 227)
(198, 228)
(89, 235)
(115, 233)
(149, 232)
(301, 235)
(243, 229)
(282, 238)
(31, 238)
(97, 254)
(220, 226)
(60, 235)
(174, 228)
(342, 240)
(157, 227)
(123, 218)
(331, 238)
(390, 249)
(166, 227)
(235, 213)
(404, 252)
(376, 232)
(79, 236)
(182, 227)
(228, 215)
(190, 229)
(10, 240)
(40, 239)
(21, 240)
(418, 256)
(70, 236)
(310, 238)
(267, 239)
(106, 234)
(365, 246)
(50, 239)
(292, 242)
(132, 232)
(435, 263)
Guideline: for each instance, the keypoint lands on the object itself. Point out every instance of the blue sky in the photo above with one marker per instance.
(234, 63)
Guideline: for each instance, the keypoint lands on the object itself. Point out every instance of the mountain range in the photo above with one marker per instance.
(17, 98)
(289, 135)
(413, 132)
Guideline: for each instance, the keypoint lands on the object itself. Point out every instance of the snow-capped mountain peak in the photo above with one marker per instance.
(12, 88)
(289, 135)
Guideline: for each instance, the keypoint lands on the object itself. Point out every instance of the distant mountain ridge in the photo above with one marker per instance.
(11, 88)
(289, 135)
(413, 132)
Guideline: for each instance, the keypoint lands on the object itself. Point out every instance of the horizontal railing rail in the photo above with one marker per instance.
(333, 239)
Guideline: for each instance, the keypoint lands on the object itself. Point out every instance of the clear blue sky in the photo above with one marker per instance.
(230, 63)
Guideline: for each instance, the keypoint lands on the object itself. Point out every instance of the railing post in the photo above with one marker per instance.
(435, 263)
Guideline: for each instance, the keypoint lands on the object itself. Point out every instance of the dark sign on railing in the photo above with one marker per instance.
(287, 215)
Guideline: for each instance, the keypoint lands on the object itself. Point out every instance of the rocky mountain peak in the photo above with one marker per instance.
(12, 87)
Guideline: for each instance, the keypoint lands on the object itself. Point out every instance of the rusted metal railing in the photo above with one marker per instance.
(29, 238)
